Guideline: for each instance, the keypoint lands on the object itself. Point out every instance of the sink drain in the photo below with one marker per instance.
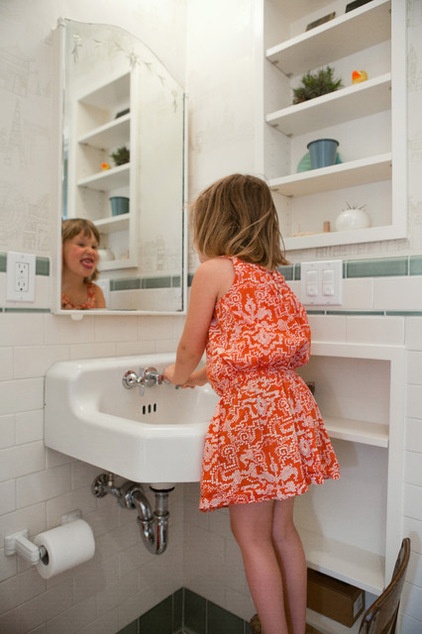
(149, 409)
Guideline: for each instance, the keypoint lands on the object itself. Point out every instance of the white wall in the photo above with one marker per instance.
(37, 486)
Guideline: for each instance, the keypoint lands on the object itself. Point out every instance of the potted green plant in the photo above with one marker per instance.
(317, 83)
(121, 155)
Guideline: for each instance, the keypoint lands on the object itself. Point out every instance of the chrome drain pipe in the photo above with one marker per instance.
(154, 525)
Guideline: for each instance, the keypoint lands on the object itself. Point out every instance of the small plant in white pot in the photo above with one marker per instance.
(353, 216)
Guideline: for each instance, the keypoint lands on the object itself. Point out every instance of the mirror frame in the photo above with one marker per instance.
(57, 197)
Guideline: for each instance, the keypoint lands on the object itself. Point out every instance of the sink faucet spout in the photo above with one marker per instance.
(147, 377)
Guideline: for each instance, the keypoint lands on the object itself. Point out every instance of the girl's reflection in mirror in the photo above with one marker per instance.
(80, 243)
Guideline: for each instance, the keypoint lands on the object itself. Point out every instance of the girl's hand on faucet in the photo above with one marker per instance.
(169, 373)
(196, 379)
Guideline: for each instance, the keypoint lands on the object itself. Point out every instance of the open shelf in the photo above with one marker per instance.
(348, 33)
(369, 118)
(113, 178)
(115, 223)
(113, 265)
(345, 562)
(110, 94)
(346, 104)
(355, 528)
(114, 133)
(349, 174)
(357, 431)
(309, 240)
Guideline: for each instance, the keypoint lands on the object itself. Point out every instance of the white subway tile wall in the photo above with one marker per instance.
(38, 486)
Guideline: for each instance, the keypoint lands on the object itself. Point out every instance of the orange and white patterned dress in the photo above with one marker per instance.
(91, 301)
(266, 439)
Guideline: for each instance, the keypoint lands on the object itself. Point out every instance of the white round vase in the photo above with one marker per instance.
(352, 219)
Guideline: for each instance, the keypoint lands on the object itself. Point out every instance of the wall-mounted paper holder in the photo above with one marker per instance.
(19, 544)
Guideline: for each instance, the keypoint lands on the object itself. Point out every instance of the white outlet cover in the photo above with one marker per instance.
(15, 292)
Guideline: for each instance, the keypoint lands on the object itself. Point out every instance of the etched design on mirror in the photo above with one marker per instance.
(124, 139)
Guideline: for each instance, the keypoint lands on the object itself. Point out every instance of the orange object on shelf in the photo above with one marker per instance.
(358, 76)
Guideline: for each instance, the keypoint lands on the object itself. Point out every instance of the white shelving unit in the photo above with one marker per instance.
(351, 528)
(369, 119)
(98, 129)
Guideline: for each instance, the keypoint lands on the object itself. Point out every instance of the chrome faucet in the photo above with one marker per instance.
(147, 377)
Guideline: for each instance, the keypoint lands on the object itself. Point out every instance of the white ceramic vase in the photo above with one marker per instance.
(352, 219)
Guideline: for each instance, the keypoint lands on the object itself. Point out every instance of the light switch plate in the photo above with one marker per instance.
(321, 283)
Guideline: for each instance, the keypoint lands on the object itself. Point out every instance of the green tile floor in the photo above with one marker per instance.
(185, 612)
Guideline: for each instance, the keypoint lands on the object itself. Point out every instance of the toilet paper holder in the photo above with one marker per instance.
(18, 543)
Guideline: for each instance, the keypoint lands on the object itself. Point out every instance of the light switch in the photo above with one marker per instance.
(328, 282)
(312, 283)
(321, 282)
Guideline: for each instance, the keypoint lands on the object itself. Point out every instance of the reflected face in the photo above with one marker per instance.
(80, 254)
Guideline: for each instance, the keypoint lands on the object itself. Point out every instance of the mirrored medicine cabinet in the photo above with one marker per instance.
(123, 166)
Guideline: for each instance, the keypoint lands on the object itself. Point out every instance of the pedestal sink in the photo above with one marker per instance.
(152, 437)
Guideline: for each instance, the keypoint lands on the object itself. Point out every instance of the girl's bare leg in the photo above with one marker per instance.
(252, 526)
(292, 563)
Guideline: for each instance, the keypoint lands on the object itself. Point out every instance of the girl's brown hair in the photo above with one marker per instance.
(237, 216)
(73, 227)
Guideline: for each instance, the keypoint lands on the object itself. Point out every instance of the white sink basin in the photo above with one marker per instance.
(154, 437)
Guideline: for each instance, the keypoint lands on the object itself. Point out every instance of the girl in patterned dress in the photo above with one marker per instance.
(80, 240)
(266, 442)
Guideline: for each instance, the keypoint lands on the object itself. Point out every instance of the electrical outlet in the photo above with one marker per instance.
(20, 277)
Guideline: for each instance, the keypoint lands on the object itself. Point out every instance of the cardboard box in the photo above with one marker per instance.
(335, 599)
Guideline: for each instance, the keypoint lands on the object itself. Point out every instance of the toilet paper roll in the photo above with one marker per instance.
(66, 546)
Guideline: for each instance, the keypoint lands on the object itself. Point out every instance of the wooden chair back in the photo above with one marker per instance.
(381, 617)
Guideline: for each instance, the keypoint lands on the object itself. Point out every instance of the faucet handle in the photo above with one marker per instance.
(130, 379)
(146, 378)
(151, 377)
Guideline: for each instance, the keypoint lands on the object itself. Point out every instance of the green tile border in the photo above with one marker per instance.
(142, 283)
(415, 265)
(359, 313)
(366, 267)
(42, 264)
(43, 268)
(10, 309)
(382, 267)
(408, 265)
(125, 284)
(352, 269)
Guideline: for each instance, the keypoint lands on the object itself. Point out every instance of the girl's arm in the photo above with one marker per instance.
(99, 297)
(211, 280)
(197, 378)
